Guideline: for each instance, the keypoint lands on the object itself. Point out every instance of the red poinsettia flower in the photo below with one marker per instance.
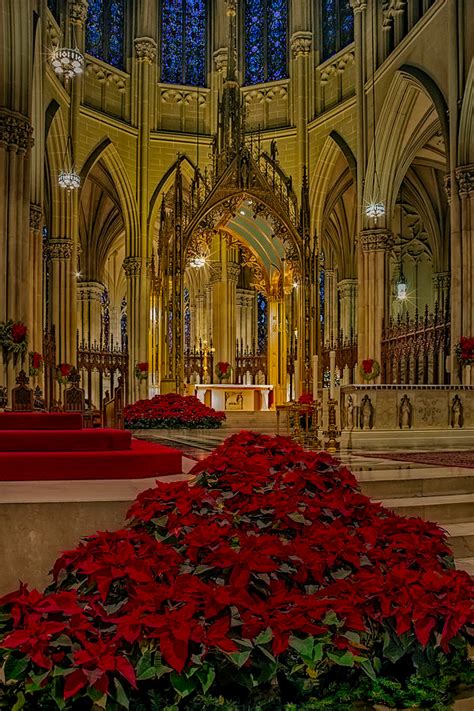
(18, 332)
(142, 367)
(367, 365)
(36, 360)
(65, 369)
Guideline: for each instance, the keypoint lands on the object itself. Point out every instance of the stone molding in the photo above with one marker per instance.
(36, 217)
(145, 49)
(278, 91)
(90, 290)
(233, 271)
(78, 11)
(301, 43)
(106, 75)
(135, 266)
(16, 131)
(358, 5)
(377, 240)
(60, 249)
(338, 66)
(183, 96)
(220, 59)
(465, 180)
(390, 9)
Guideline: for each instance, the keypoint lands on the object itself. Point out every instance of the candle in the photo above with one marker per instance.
(297, 380)
(332, 373)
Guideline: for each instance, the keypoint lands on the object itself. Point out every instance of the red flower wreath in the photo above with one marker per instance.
(369, 369)
(141, 371)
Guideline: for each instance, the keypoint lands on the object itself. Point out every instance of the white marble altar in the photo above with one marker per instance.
(236, 398)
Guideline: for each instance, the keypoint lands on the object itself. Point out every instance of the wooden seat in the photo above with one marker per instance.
(74, 396)
(113, 407)
(22, 395)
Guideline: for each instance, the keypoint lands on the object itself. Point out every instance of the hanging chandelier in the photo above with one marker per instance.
(198, 262)
(67, 62)
(402, 284)
(68, 178)
(375, 208)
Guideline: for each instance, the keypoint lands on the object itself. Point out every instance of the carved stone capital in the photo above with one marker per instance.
(233, 271)
(90, 291)
(358, 5)
(78, 11)
(465, 180)
(36, 217)
(220, 59)
(390, 9)
(347, 288)
(442, 280)
(145, 49)
(377, 240)
(60, 249)
(215, 272)
(16, 131)
(301, 43)
(134, 266)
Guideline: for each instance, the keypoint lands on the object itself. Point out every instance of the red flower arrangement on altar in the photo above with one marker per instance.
(270, 572)
(63, 371)
(223, 370)
(36, 363)
(305, 399)
(369, 369)
(465, 351)
(13, 339)
(141, 371)
(171, 411)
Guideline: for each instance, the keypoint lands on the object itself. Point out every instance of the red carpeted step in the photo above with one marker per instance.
(40, 421)
(142, 461)
(87, 440)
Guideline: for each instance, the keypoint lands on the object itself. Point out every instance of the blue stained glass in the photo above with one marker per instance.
(116, 23)
(187, 319)
(329, 28)
(277, 49)
(266, 40)
(322, 296)
(183, 42)
(262, 318)
(124, 323)
(105, 31)
(95, 28)
(54, 7)
(338, 26)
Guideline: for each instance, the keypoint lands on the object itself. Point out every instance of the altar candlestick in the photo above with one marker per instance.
(332, 373)
(315, 377)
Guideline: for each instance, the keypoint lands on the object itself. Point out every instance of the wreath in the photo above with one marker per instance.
(223, 370)
(13, 339)
(369, 369)
(141, 371)
(36, 363)
(63, 371)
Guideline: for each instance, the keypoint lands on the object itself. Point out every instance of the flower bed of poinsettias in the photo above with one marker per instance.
(171, 411)
(270, 583)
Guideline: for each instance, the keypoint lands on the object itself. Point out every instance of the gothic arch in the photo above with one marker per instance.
(188, 169)
(466, 130)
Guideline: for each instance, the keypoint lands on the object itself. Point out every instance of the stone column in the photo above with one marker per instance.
(35, 306)
(441, 284)
(372, 291)
(277, 347)
(330, 307)
(301, 50)
(89, 296)
(62, 304)
(465, 184)
(138, 305)
(347, 289)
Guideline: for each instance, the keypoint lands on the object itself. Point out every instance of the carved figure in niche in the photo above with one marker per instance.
(366, 414)
(350, 413)
(457, 413)
(274, 151)
(244, 171)
(405, 418)
(260, 378)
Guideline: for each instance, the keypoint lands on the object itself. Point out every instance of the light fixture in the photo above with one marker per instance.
(68, 179)
(402, 283)
(295, 284)
(198, 262)
(375, 208)
(77, 275)
(242, 212)
(67, 62)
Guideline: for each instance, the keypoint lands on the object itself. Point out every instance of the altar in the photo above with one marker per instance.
(236, 398)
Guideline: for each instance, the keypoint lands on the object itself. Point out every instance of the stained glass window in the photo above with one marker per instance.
(266, 40)
(337, 26)
(187, 319)
(124, 324)
(105, 31)
(105, 329)
(54, 7)
(183, 42)
(262, 317)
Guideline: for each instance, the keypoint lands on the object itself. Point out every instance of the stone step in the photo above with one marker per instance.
(456, 508)
(418, 482)
(466, 564)
(460, 538)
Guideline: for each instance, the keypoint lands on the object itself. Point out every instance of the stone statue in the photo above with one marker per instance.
(366, 414)
(406, 413)
(350, 413)
(457, 413)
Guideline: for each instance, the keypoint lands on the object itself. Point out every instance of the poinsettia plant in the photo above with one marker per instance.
(141, 371)
(63, 371)
(268, 582)
(36, 363)
(223, 370)
(465, 351)
(369, 369)
(171, 411)
(13, 339)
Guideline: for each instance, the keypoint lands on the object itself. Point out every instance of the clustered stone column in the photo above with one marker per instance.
(330, 307)
(63, 306)
(301, 43)
(89, 296)
(245, 317)
(373, 277)
(136, 269)
(465, 186)
(277, 346)
(347, 289)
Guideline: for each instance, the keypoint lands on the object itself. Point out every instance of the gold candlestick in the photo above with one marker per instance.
(332, 444)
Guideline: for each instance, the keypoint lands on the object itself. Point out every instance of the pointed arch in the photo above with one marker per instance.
(466, 130)
(188, 169)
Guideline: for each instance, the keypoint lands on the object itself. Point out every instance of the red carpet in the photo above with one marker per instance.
(64, 440)
(40, 421)
(46, 447)
(440, 459)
